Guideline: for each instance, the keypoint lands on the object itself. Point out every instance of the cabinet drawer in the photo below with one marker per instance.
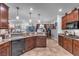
(5, 49)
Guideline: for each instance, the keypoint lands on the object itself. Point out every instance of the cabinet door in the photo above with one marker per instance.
(76, 48)
(29, 43)
(26, 44)
(63, 23)
(64, 20)
(75, 15)
(65, 43)
(5, 51)
(0, 52)
(69, 45)
(68, 18)
(41, 41)
(72, 17)
(4, 17)
(60, 41)
(34, 41)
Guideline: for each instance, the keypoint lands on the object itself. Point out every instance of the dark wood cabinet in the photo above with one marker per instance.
(60, 41)
(69, 45)
(66, 43)
(29, 43)
(0, 51)
(3, 16)
(35, 41)
(41, 41)
(75, 15)
(64, 19)
(76, 47)
(5, 49)
(70, 17)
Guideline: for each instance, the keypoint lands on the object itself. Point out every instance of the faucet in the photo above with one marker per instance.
(74, 33)
(66, 32)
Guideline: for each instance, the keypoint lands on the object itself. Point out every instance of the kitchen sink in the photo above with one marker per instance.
(73, 36)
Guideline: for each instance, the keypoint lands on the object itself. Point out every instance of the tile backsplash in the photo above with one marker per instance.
(72, 31)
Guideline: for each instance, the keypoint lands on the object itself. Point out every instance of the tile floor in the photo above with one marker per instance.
(52, 49)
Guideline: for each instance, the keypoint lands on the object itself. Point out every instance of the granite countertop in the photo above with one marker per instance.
(4, 41)
(17, 37)
(70, 36)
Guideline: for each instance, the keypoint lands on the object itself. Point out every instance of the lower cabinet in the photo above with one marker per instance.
(0, 52)
(41, 41)
(60, 41)
(69, 45)
(17, 47)
(66, 43)
(76, 47)
(5, 49)
(29, 43)
(36, 41)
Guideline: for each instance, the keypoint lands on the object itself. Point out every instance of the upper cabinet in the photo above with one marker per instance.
(64, 20)
(69, 20)
(3, 16)
(75, 15)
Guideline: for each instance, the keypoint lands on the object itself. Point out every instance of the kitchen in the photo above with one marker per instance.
(23, 29)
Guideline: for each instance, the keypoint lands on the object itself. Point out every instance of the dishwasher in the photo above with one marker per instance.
(17, 47)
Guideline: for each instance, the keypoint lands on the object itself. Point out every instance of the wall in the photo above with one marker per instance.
(59, 24)
(55, 32)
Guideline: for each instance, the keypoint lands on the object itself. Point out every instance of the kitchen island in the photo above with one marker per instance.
(21, 44)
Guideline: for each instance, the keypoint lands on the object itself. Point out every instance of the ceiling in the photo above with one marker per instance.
(48, 11)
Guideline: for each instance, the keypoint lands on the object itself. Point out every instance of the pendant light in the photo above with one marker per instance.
(30, 20)
(60, 10)
(17, 17)
(31, 9)
(30, 13)
(39, 18)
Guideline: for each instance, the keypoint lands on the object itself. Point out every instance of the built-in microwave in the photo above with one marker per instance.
(73, 25)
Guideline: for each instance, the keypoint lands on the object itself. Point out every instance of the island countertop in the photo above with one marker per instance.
(18, 37)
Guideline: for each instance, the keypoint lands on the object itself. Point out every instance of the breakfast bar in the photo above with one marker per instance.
(18, 45)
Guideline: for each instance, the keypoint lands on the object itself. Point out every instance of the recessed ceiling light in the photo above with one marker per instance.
(60, 10)
(31, 9)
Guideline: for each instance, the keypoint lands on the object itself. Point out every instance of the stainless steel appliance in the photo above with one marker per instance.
(17, 47)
